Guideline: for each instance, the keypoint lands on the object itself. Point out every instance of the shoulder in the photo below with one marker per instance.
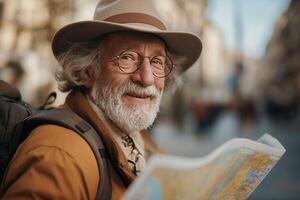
(55, 156)
(62, 139)
(54, 136)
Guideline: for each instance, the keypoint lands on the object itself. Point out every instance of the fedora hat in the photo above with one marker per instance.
(128, 15)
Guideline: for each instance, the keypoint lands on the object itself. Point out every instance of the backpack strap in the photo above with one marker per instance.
(70, 120)
(9, 91)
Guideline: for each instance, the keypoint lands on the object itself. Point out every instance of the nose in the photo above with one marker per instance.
(144, 75)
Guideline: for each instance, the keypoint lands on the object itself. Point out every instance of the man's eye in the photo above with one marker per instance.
(157, 61)
(127, 57)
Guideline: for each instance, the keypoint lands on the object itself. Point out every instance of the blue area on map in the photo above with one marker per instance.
(251, 175)
(155, 189)
(220, 187)
(227, 154)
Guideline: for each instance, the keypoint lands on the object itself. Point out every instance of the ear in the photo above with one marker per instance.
(90, 78)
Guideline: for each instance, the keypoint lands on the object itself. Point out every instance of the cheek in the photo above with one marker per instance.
(117, 80)
(160, 84)
(109, 77)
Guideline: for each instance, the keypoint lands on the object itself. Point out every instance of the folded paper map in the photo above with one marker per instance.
(230, 172)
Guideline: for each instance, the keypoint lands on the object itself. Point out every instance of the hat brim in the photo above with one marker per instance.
(184, 44)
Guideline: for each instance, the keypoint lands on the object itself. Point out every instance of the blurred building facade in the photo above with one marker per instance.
(26, 30)
(280, 72)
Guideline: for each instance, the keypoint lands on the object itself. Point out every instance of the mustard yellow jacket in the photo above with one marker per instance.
(56, 163)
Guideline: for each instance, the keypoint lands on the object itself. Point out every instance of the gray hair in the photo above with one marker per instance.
(82, 57)
(75, 64)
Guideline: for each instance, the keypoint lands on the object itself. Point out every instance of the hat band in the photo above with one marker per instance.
(136, 18)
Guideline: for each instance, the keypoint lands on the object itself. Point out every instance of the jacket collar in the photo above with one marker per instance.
(77, 102)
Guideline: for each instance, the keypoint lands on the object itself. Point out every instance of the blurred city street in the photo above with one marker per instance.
(246, 82)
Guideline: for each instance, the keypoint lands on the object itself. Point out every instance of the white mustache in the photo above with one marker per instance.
(131, 87)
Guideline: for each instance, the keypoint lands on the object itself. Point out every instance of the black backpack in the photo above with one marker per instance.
(18, 119)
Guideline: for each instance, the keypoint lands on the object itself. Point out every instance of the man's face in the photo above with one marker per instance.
(131, 101)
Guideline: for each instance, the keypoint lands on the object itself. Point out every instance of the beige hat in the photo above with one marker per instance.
(128, 15)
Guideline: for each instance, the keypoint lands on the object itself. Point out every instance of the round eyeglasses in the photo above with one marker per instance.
(130, 61)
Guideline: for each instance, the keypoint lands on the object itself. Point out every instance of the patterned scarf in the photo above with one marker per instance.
(133, 148)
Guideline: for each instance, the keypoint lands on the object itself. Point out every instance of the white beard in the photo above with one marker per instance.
(129, 118)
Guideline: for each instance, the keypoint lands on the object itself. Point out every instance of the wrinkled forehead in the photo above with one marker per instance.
(117, 41)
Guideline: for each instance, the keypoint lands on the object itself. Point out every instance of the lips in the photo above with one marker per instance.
(140, 96)
(134, 98)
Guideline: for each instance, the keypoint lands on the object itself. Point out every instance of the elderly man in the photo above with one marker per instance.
(116, 67)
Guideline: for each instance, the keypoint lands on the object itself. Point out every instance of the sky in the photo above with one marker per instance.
(256, 17)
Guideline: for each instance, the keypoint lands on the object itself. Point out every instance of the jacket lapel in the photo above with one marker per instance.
(79, 104)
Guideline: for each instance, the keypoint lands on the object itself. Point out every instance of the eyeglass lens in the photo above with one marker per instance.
(130, 61)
